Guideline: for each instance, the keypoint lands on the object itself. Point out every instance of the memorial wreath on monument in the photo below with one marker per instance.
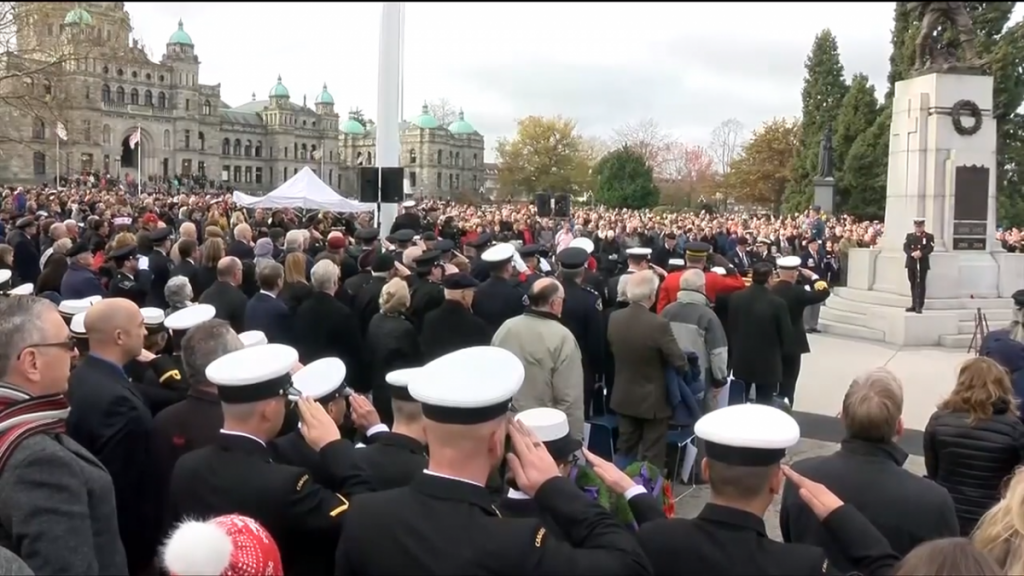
(957, 112)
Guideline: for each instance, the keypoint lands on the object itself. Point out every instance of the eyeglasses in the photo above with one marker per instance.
(68, 345)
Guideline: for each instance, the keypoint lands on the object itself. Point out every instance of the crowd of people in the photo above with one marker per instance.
(187, 387)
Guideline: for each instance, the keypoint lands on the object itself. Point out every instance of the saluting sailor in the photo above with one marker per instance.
(160, 377)
(797, 299)
(394, 458)
(498, 299)
(745, 444)
(125, 284)
(238, 474)
(466, 423)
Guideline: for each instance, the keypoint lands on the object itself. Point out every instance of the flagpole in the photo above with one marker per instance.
(56, 180)
(138, 128)
(322, 144)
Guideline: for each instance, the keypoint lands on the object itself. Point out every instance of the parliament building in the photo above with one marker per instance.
(107, 87)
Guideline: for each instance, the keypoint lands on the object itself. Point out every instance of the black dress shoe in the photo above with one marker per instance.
(911, 309)
(917, 311)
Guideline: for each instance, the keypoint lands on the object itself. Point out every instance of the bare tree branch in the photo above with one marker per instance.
(726, 143)
(443, 111)
(646, 138)
(595, 147)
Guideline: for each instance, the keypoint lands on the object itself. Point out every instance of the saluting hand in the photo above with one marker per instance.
(530, 461)
(364, 415)
(609, 473)
(316, 425)
(820, 499)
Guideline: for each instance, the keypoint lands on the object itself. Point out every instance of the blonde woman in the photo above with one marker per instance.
(975, 440)
(1000, 533)
(391, 342)
(209, 256)
(296, 288)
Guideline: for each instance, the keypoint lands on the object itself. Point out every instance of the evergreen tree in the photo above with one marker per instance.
(625, 180)
(822, 96)
(904, 36)
(856, 116)
(863, 181)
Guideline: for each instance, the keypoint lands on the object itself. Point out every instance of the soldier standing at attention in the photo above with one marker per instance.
(581, 314)
(125, 285)
(918, 246)
(745, 446)
(466, 426)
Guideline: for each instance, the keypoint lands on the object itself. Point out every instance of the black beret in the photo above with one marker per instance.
(367, 234)
(427, 259)
(670, 236)
(444, 245)
(742, 241)
(481, 241)
(428, 236)
(25, 222)
(697, 248)
(78, 248)
(383, 262)
(529, 251)
(1018, 298)
(459, 281)
(572, 258)
(160, 234)
(404, 235)
(390, 239)
(124, 252)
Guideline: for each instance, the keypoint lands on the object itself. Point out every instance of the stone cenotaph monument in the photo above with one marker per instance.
(942, 167)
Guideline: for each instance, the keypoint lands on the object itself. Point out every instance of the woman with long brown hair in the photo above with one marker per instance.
(975, 440)
(209, 256)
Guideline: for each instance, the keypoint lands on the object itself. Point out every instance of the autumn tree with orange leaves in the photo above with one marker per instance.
(687, 173)
(760, 173)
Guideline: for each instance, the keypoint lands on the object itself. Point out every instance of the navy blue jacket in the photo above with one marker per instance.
(269, 315)
(80, 282)
(1009, 353)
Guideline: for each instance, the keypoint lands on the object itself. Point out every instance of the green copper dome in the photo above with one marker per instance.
(425, 120)
(460, 126)
(324, 97)
(78, 16)
(352, 126)
(180, 36)
(279, 91)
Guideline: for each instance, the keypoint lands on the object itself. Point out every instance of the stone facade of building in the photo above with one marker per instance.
(109, 89)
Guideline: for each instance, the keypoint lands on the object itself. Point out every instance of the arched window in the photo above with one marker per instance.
(39, 163)
(161, 100)
(106, 134)
(237, 148)
(412, 156)
(39, 130)
(474, 161)
(458, 159)
(167, 139)
(449, 157)
(369, 158)
(451, 181)
(458, 182)
(225, 147)
(302, 152)
(248, 148)
(105, 93)
(259, 149)
(202, 141)
(148, 98)
(133, 96)
(119, 94)
(207, 108)
(312, 152)
(359, 158)
(440, 156)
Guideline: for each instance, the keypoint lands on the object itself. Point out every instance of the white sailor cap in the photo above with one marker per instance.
(77, 325)
(93, 299)
(253, 338)
(5, 275)
(409, 204)
(153, 318)
(503, 252)
(469, 386)
(919, 220)
(398, 383)
(788, 262)
(321, 380)
(71, 307)
(23, 290)
(190, 317)
(677, 263)
(638, 252)
(583, 242)
(552, 428)
(253, 374)
(747, 434)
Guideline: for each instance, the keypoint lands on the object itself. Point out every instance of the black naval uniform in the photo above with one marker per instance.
(160, 382)
(189, 425)
(582, 315)
(797, 298)
(498, 300)
(440, 525)
(424, 297)
(407, 221)
(125, 286)
(917, 268)
(392, 460)
(353, 284)
(452, 327)
(724, 540)
(160, 267)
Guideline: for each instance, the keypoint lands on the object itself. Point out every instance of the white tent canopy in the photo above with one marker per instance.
(304, 190)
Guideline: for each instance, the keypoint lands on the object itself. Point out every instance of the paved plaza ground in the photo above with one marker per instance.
(928, 374)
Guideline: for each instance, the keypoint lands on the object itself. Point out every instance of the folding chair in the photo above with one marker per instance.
(602, 429)
(685, 442)
(603, 418)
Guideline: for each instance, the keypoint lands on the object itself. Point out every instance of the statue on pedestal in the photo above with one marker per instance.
(942, 58)
(826, 156)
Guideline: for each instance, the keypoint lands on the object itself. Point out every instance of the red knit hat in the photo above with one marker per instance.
(230, 545)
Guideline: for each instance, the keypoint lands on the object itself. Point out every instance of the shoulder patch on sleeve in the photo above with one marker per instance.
(170, 374)
(302, 482)
(539, 539)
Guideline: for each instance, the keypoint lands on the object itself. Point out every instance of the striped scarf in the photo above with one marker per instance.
(22, 415)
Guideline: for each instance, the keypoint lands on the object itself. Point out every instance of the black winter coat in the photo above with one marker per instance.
(392, 345)
(972, 461)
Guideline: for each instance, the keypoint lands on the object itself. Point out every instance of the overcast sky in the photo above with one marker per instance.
(687, 65)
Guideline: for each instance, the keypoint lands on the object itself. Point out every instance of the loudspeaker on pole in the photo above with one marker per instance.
(369, 184)
(543, 202)
(392, 185)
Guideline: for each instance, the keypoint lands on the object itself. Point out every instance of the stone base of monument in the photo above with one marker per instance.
(942, 167)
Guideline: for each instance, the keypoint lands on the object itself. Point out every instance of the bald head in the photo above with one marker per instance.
(227, 267)
(107, 317)
(544, 292)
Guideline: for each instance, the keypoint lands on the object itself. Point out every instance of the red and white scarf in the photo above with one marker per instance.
(23, 415)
